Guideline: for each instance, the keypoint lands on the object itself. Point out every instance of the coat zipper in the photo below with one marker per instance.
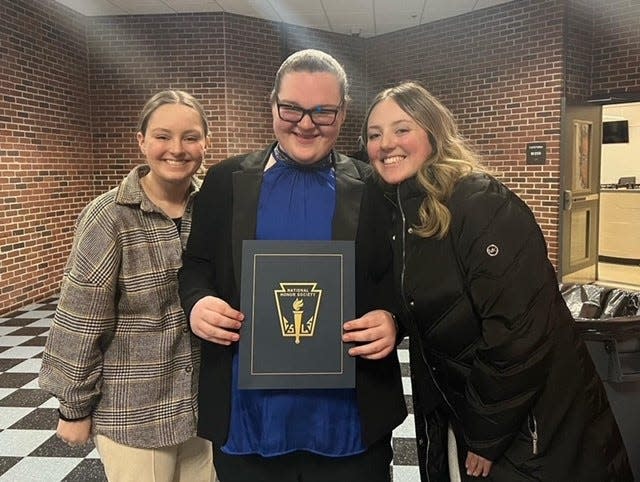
(404, 300)
(403, 246)
(422, 354)
(402, 273)
(426, 458)
(533, 431)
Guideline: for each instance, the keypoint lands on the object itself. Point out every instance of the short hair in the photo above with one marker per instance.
(171, 97)
(311, 60)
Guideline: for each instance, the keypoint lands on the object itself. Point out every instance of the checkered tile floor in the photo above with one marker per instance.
(29, 449)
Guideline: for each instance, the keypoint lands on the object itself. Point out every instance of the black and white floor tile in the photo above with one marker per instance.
(29, 449)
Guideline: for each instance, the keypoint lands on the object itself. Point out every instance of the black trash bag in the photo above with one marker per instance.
(621, 303)
(573, 297)
(590, 310)
(597, 294)
(585, 301)
(634, 304)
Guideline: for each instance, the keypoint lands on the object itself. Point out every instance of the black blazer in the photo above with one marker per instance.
(224, 215)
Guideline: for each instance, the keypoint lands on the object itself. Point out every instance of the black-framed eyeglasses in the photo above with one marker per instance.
(320, 116)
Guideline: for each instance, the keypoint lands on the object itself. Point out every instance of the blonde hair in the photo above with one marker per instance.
(171, 97)
(451, 158)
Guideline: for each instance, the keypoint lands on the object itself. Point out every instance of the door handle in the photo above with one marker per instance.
(567, 200)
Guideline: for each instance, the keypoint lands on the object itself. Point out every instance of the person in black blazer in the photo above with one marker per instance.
(297, 188)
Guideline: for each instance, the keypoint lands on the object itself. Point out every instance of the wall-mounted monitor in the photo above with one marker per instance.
(615, 132)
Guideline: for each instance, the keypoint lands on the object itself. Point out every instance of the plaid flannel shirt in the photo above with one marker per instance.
(120, 348)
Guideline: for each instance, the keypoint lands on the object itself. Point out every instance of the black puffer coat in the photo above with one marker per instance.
(492, 347)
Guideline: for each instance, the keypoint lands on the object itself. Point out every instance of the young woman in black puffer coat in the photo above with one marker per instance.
(503, 388)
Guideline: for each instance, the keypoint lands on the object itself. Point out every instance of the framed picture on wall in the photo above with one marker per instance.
(582, 135)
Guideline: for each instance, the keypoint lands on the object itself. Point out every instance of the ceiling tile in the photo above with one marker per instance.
(369, 17)
(437, 10)
(141, 7)
(250, 8)
(336, 6)
(395, 21)
(186, 6)
(92, 8)
(298, 6)
(356, 19)
(389, 6)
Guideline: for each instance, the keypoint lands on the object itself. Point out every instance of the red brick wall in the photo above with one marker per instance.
(227, 61)
(71, 88)
(45, 145)
(579, 49)
(616, 47)
(130, 59)
(252, 53)
(603, 48)
(500, 72)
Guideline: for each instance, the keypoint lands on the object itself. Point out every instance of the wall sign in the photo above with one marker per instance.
(537, 153)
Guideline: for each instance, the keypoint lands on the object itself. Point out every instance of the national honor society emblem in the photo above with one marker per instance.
(302, 300)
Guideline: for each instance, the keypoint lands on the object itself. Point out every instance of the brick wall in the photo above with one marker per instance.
(227, 61)
(616, 47)
(252, 52)
(603, 48)
(500, 72)
(130, 59)
(578, 49)
(71, 88)
(45, 145)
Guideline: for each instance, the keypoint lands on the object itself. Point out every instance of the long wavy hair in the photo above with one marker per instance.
(451, 158)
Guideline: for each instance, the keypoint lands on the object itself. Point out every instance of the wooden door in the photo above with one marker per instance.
(581, 138)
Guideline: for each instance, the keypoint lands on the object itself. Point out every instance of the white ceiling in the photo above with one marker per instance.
(355, 17)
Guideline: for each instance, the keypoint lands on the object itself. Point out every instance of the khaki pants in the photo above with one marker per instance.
(190, 461)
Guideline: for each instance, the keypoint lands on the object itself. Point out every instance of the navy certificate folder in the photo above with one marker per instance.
(295, 296)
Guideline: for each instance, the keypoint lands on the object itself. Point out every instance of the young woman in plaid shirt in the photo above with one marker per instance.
(120, 357)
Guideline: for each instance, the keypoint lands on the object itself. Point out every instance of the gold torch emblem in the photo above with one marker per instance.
(298, 299)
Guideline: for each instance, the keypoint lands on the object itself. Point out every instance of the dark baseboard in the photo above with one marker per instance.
(614, 260)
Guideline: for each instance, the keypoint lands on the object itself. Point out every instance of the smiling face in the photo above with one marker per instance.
(304, 141)
(396, 144)
(174, 144)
